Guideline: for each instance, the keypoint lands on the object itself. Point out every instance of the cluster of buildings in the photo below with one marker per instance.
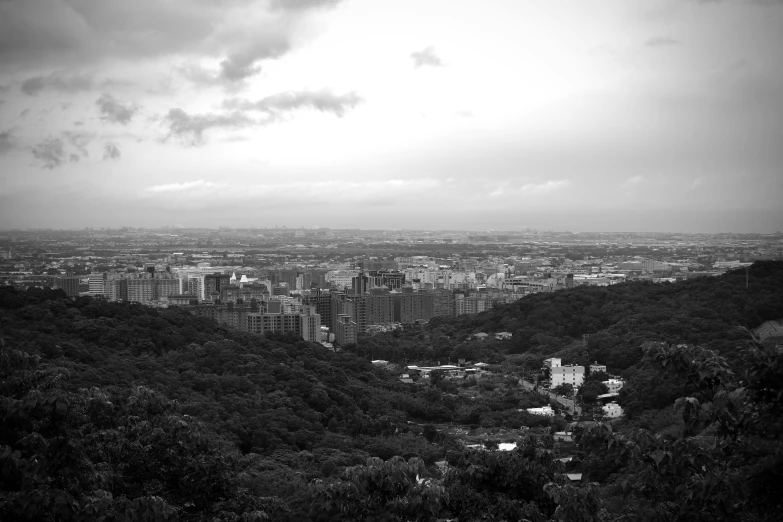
(369, 302)
(554, 374)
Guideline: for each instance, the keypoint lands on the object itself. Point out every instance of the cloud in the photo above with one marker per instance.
(293, 5)
(51, 152)
(426, 57)
(78, 140)
(190, 127)
(323, 100)
(183, 187)
(499, 191)
(60, 33)
(768, 3)
(207, 194)
(661, 41)
(634, 181)
(69, 145)
(547, 187)
(112, 111)
(33, 86)
(7, 142)
(110, 151)
(243, 63)
(199, 75)
(244, 46)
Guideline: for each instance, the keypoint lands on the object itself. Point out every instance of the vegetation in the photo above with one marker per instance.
(113, 411)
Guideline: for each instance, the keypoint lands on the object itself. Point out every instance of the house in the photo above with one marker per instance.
(612, 410)
(502, 336)
(595, 367)
(481, 336)
(544, 410)
(613, 385)
(406, 378)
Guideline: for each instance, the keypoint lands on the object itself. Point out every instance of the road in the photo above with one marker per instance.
(568, 403)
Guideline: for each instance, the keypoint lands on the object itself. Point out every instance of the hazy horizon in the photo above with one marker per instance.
(443, 115)
(532, 230)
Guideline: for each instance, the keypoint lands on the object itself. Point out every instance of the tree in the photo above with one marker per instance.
(726, 462)
(565, 389)
(590, 391)
(380, 490)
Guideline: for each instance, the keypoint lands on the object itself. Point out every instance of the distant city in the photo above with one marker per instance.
(333, 285)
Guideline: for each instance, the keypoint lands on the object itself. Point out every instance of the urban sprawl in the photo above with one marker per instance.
(334, 286)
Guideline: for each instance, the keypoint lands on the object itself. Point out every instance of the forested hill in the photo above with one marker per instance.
(127, 411)
(113, 411)
(160, 403)
(215, 373)
(619, 318)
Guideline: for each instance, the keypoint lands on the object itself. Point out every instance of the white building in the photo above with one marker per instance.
(613, 385)
(544, 410)
(310, 324)
(341, 278)
(573, 375)
(552, 363)
(612, 410)
(595, 367)
(97, 284)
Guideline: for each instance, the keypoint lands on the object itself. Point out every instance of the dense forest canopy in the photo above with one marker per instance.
(120, 412)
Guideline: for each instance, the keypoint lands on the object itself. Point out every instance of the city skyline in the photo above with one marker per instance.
(452, 115)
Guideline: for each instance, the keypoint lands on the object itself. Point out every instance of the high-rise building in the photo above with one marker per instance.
(360, 284)
(345, 330)
(165, 287)
(116, 289)
(322, 300)
(68, 284)
(310, 324)
(342, 304)
(281, 289)
(391, 279)
(379, 309)
(364, 310)
(443, 303)
(410, 306)
(233, 315)
(214, 282)
(341, 279)
(141, 290)
(97, 284)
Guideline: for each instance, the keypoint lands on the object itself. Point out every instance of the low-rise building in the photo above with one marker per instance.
(544, 410)
(612, 410)
(613, 385)
(573, 375)
(595, 367)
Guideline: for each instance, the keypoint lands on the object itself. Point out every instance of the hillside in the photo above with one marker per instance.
(289, 410)
(131, 413)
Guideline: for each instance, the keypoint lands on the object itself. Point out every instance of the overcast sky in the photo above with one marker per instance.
(493, 114)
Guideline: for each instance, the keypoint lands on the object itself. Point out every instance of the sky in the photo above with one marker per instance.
(440, 114)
